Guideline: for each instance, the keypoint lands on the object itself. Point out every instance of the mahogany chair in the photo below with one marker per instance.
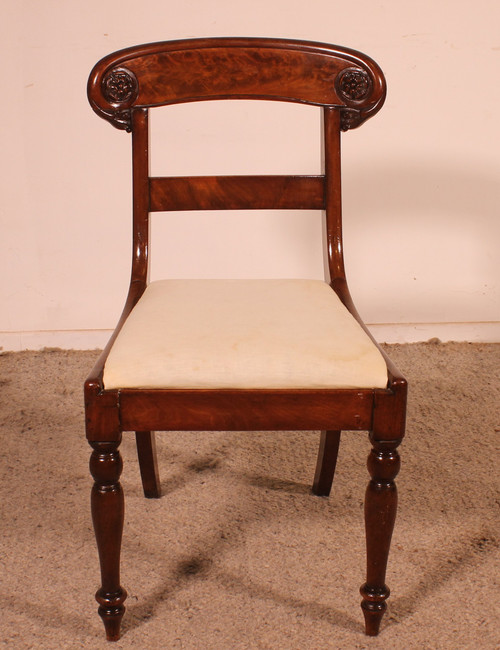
(240, 355)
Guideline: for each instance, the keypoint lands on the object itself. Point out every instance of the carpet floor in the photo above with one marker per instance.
(238, 554)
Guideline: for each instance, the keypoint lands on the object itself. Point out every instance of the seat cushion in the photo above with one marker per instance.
(242, 334)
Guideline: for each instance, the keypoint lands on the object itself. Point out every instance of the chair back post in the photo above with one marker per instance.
(140, 179)
(333, 194)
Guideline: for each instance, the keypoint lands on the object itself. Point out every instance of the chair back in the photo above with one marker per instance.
(347, 84)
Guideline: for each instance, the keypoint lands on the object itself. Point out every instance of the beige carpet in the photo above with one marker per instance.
(238, 554)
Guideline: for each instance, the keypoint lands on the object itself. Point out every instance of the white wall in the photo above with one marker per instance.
(421, 180)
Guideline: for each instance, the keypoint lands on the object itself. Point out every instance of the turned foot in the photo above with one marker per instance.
(374, 607)
(111, 610)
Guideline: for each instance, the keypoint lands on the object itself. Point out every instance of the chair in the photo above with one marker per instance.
(240, 355)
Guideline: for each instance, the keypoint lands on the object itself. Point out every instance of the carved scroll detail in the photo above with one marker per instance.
(350, 118)
(120, 88)
(353, 85)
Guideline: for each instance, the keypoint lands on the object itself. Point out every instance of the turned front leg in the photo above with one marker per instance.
(380, 514)
(107, 515)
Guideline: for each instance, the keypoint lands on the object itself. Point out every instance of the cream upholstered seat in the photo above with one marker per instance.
(243, 334)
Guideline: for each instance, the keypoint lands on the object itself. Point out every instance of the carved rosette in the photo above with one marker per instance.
(120, 89)
(119, 86)
(353, 86)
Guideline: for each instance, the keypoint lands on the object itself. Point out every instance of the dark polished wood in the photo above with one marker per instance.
(237, 193)
(244, 410)
(107, 516)
(140, 184)
(236, 68)
(333, 196)
(148, 463)
(380, 515)
(349, 87)
(326, 463)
